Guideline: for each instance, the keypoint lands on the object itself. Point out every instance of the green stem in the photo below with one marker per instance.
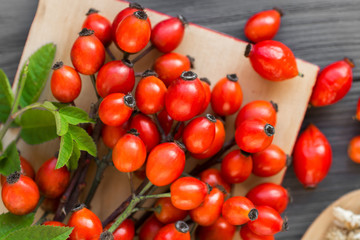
(147, 209)
(146, 188)
(161, 195)
(131, 183)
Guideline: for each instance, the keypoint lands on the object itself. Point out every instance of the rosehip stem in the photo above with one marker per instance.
(143, 53)
(111, 55)
(161, 130)
(101, 166)
(214, 160)
(147, 209)
(93, 80)
(131, 183)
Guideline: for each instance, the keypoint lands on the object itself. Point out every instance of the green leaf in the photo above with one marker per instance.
(83, 140)
(62, 125)
(72, 164)
(39, 68)
(6, 97)
(10, 222)
(49, 106)
(37, 126)
(66, 148)
(40, 232)
(11, 161)
(75, 115)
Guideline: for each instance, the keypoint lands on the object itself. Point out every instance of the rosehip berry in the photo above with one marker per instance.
(258, 109)
(85, 223)
(150, 93)
(221, 229)
(54, 224)
(333, 83)
(354, 149)
(116, 109)
(269, 194)
(188, 193)
(269, 222)
(272, 60)
(254, 135)
(168, 213)
(150, 228)
(25, 169)
(147, 129)
(165, 163)
(239, 210)
(217, 143)
(129, 153)
(133, 7)
(213, 177)
(100, 25)
(226, 96)
(312, 157)
(236, 166)
(263, 25)
(133, 32)
(165, 121)
(20, 194)
(65, 83)
(87, 53)
(174, 231)
(270, 161)
(52, 182)
(247, 234)
(210, 210)
(111, 135)
(199, 133)
(125, 231)
(115, 77)
(357, 116)
(185, 97)
(168, 34)
(170, 66)
(206, 84)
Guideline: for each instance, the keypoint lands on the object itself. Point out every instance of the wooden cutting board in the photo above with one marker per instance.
(320, 226)
(216, 55)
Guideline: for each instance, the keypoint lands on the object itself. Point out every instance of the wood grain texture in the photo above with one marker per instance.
(319, 31)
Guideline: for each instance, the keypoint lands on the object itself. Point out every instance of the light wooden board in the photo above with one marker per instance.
(215, 54)
(320, 226)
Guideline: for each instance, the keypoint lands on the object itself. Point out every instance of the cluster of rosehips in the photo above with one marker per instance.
(171, 92)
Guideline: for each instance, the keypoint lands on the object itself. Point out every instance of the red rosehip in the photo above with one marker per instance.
(174, 231)
(354, 149)
(185, 97)
(270, 161)
(236, 166)
(333, 83)
(272, 60)
(221, 229)
(165, 163)
(226, 96)
(116, 109)
(168, 213)
(125, 231)
(147, 129)
(312, 157)
(25, 169)
(20, 194)
(239, 210)
(54, 224)
(263, 25)
(254, 135)
(133, 32)
(111, 135)
(150, 228)
(168, 34)
(65, 83)
(188, 193)
(129, 153)
(170, 66)
(52, 182)
(165, 121)
(87, 53)
(206, 84)
(115, 77)
(213, 177)
(247, 234)
(100, 25)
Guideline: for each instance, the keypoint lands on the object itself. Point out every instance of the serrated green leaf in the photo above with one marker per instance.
(40, 233)
(10, 222)
(37, 126)
(62, 125)
(49, 106)
(66, 148)
(83, 140)
(39, 68)
(72, 164)
(6, 97)
(74, 115)
(11, 161)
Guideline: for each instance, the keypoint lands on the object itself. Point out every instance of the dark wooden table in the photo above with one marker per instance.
(319, 31)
